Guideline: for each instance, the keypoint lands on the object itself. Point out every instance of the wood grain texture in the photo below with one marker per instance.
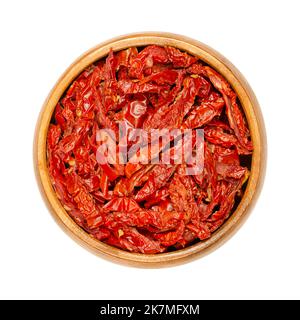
(256, 126)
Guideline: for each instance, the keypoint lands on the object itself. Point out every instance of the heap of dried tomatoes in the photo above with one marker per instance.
(148, 208)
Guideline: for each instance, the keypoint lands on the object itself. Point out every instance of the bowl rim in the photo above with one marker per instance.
(257, 130)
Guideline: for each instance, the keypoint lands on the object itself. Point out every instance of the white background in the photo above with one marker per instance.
(39, 39)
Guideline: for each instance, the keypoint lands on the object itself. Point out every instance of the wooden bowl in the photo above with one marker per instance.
(255, 122)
